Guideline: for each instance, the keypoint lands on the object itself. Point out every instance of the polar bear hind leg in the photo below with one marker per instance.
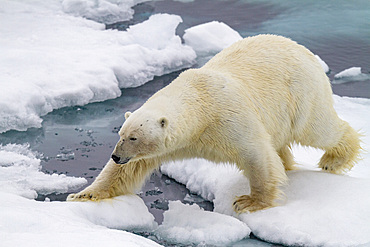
(286, 157)
(343, 154)
(341, 143)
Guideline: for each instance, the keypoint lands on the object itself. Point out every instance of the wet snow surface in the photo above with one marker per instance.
(58, 59)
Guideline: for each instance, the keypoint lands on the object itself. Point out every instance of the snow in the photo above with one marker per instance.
(320, 209)
(323, 64)
(58, 53)
(203, 177)
(210, 37)
(20, 173)
(122, 212)
(50, 59)
(351, 74)
(26, 222)
(104, 11)
(189, 224)
(354, 71)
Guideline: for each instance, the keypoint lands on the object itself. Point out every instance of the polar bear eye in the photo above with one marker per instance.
(133, 138)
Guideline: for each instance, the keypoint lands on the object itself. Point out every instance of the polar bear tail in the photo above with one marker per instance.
(342, 156)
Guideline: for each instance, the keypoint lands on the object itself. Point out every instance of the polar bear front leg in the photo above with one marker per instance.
(104, 186)
(115, 180)
(266, 173)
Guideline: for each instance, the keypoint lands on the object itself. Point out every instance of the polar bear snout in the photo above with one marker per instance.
(118, 159)
(115, 158)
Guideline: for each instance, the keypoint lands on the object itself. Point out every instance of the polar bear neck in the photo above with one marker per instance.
(181, 102)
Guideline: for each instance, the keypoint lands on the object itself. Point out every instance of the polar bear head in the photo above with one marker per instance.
(143, 135)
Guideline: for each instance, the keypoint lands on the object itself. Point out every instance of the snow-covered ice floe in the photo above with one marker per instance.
(51, 59)
(104, 11)
(354, 71)
(20, 173)
(25, 222)
(210, 38)
(320, 209)
(189, 224)
(324, 66)
(350, 74)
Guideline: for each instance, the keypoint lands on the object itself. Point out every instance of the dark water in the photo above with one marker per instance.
(78, 141)
(337, 31)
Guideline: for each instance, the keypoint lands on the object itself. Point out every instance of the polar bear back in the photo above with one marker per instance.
(268, 62)
(281, 79)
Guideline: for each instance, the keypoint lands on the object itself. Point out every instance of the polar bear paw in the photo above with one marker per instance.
(88, 195)
(245, 204)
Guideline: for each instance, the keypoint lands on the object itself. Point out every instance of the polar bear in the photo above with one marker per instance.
(246, 106)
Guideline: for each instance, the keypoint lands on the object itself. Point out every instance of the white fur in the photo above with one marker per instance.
(246, 106)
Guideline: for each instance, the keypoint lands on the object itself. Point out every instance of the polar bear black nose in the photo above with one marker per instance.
(115, 158)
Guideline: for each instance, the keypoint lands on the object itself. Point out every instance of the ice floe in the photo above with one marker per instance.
(320, 209)
(20, 173)
(58, 53)
(210, 37)
(104, 11)
(324, 66)
(50, 59)
(27, 222)
(350, 74)
(189, 224)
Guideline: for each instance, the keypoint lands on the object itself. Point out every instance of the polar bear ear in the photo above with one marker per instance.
(163, 121)
(127, 114)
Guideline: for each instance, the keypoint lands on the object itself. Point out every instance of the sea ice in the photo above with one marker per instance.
(323, 64)
(189, 224)
(50, 59)
(104, 11)
(20, 173)
(319, 209)
(351, 72)
(211, 37)
(203, 177)
(27, 222)
(122, 212)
